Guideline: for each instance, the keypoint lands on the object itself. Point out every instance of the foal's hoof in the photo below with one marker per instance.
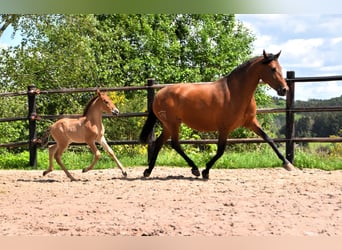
(124, 174)
(195, 172)
(46, 172)
(205, 174)
(289, 167)
(147, 173)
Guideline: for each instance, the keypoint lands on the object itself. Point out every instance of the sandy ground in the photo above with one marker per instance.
(172, 202)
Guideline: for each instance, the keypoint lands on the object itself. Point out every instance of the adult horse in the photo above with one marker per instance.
(88, 129)
(222, 106)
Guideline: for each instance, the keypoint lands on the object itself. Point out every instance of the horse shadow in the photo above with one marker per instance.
(159, 178)
(121, 178)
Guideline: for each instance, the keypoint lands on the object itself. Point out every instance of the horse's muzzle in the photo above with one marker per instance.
(282, 91)
(115, 112)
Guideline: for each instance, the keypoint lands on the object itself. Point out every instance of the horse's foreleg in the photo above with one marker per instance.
(97, 156)
(221, 145)
(52, 152)
(286, 164)
(109, 150)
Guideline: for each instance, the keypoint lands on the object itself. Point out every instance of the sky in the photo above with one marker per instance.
(311, 45)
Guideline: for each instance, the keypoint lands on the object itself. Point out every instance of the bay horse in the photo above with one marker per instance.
(88, 128)
(222, 106)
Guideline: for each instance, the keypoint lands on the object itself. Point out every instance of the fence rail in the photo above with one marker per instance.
(289, 110)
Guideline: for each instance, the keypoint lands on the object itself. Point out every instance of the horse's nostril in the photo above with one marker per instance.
(282, 91)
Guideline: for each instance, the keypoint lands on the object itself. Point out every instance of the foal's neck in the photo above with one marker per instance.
(94, 113)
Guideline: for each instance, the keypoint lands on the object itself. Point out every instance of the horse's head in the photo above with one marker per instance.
(271, 73)
(107, 103)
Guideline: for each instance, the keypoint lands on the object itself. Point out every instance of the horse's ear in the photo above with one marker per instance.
(98, 92)
(277, 55)
(264, 53)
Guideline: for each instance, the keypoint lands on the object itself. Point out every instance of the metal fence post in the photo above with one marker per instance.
(32, 116)
(290, 127)
(150, 97)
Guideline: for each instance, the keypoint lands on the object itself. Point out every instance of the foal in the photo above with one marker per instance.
(88, 129)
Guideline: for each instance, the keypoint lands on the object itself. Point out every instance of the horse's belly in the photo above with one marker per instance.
(200, 123)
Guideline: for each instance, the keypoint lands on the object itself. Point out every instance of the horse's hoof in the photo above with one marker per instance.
(124, 174)
(205, 174)
(84, 170)
(147, 173)
(288, 166)
(195, 172)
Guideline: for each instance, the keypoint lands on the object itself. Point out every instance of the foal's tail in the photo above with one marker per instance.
(145, 135)
(45, 139)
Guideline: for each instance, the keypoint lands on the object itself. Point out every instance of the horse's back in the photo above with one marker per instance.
(197, 105)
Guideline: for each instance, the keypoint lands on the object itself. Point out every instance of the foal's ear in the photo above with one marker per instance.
(98, 92)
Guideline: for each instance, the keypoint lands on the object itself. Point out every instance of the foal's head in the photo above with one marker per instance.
(271, 73)
(107, 104)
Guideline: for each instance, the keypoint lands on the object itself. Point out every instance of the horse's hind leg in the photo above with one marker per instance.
(52, 152)
(156, 148)
(109, 150)
(58, 156)
(176, 146)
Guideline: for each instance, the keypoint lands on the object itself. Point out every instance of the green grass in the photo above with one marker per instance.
(314, 156)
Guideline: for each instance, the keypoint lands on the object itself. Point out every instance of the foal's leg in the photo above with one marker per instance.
(97, 155)
(156, 148)
(52, 152)
(221, 145)
(257, 129)
(60, 149)
(109, 150)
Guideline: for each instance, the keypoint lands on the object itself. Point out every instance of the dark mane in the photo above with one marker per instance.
(86, 109)
(243, 65)
(270, 57)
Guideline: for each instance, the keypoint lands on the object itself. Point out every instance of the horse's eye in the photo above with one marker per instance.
(274, 70)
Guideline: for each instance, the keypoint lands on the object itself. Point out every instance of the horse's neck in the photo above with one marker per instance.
(94, 113)
(242, 86)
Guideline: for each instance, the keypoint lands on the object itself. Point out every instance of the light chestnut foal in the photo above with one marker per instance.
(86, 129)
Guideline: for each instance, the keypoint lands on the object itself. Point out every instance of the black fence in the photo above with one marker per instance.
(151, 87)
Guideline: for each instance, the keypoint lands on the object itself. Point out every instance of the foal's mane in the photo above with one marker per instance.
(86, 109)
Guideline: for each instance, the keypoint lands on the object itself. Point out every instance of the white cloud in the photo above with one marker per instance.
(311, 46)
(3, 46)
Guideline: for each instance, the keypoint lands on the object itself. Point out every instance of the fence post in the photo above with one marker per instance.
(32, 116)
(290, 129)
(150, 97)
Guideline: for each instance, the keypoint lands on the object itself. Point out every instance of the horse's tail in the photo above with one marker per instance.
(145, 135)
(45, 139)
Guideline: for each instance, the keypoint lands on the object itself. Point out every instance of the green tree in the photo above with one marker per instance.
(64, 51)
